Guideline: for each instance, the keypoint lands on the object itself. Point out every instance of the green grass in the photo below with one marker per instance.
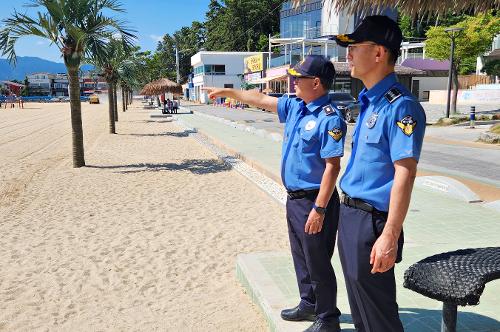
(495, 129)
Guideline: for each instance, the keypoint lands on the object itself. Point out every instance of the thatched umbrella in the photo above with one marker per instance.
(411, 7)
(161, 86)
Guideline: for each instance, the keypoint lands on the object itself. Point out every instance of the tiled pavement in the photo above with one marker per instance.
(435, 223)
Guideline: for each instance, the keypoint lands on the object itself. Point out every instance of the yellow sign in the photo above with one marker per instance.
(254, 63)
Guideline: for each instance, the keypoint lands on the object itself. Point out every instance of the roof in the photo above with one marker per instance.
(13, 83)
(495, 54)
(427, 64)
(343, 69)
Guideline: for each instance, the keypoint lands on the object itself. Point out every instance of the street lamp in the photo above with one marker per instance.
(453, 33)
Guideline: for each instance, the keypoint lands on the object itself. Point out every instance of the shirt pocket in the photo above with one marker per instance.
(308, 141)
(371, 143)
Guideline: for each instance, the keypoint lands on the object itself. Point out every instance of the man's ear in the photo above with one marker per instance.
(317, 82)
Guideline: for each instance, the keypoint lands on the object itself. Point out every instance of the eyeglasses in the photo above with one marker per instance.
(350, 48)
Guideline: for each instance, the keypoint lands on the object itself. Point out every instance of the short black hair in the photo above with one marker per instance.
(393, 56)
(326, 83)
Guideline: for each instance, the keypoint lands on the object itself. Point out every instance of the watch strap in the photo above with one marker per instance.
(319, 209)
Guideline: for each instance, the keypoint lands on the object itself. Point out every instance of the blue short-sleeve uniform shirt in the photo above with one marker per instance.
(313, 132)
(390, 127)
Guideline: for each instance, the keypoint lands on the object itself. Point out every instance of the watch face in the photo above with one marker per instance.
(320, 210)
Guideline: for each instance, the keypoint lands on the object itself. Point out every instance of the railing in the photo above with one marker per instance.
(469, 81)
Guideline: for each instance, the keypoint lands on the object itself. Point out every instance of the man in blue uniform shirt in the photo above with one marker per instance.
(379, 177)
(313, 144)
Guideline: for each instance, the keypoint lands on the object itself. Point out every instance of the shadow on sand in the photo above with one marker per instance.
(196, 166)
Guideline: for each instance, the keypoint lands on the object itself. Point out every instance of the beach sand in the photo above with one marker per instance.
(144, 238)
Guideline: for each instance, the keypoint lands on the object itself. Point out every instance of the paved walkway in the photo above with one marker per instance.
(452, 151)
(435, 223)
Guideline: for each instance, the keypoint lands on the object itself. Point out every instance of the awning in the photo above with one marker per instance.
(267, 79)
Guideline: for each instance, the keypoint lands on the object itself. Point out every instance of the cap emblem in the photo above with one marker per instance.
(345, 39)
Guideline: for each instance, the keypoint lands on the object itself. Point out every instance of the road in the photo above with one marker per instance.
(448, 151)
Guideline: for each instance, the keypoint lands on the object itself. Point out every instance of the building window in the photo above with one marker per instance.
(215, 69)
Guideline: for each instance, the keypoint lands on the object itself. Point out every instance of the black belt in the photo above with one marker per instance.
(359, 204)
(297, 194)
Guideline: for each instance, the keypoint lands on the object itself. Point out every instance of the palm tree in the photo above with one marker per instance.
(113, 56)
(78, 28)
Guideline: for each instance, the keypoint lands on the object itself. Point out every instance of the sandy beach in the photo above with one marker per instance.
(144, 238)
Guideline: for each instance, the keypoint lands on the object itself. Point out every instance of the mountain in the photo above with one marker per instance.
(27, 65)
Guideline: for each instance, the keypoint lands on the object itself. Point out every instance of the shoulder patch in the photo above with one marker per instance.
(336, 133)
(407, 125)
(329, 110)
(392, 95)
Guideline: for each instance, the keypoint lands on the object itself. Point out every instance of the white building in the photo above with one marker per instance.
(217, 69)
(40, 83)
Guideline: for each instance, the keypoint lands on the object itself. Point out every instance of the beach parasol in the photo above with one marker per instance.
(161, 86)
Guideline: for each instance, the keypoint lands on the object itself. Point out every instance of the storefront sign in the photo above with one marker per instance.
(254, 63)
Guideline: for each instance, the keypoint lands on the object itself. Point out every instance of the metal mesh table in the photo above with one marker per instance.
(454, 278)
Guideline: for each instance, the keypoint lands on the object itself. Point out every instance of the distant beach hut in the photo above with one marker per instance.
(161, 86)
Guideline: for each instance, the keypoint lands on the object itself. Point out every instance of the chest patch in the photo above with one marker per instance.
(372, 120)
(329, 110)
(407, 125)
(310, 125)
(392, 95)
(335, 133)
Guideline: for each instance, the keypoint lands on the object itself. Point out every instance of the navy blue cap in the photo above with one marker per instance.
(314, 66)
(378, 29)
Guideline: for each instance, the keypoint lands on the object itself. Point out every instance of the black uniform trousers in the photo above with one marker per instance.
(372, 297)
(312, 256)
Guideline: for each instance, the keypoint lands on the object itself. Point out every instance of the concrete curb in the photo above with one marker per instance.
(251, 129)
(447, 186)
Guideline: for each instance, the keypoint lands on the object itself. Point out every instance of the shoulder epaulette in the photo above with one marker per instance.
(392, 95)
(329, 110)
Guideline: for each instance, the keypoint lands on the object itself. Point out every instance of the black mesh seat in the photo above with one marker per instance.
(455, 278)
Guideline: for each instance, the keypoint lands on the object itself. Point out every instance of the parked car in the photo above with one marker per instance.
(94, 99)
(346, 104)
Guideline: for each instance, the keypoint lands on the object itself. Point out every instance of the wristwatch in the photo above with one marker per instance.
(319, 209)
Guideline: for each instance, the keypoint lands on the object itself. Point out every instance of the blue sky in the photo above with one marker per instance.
(150, 18)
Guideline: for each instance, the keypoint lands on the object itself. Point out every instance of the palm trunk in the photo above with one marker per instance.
(76, 118)
(115, 102)
(111, 109)
(124, 107)
(126, 99)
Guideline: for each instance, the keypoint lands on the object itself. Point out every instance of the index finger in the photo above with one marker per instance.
(376, 263)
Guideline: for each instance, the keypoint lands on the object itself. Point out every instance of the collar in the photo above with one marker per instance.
(379, 89)
(318, 102)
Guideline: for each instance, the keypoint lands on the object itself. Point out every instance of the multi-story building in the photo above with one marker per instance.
(217, 69)
(60, 85)
(46, 84)
(40, 84)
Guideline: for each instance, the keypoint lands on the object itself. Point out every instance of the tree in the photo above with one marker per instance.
(78, 28)
(26, 89)
(113, 55)
(475, 40)
(241, 25)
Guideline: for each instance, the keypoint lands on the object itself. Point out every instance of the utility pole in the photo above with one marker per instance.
(177, 64)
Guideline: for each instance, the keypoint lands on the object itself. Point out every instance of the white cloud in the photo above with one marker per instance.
(156, 38)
